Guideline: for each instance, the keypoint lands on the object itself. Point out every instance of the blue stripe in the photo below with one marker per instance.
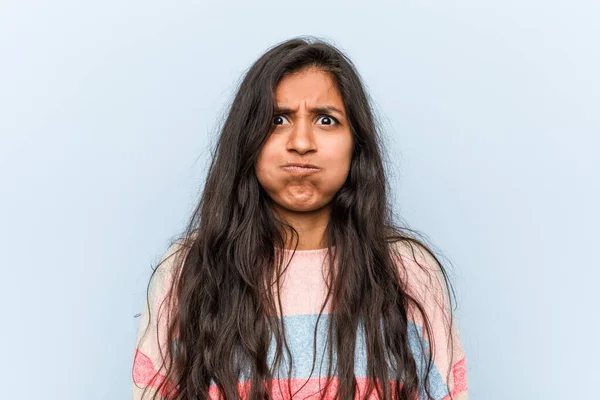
(300, 336)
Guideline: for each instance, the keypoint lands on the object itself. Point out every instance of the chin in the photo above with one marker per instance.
(303, 209)
(307, 207)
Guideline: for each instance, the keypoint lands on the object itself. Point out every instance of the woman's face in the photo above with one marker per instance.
(310, 126)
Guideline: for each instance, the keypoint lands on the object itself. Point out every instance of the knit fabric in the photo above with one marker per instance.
(302, 293)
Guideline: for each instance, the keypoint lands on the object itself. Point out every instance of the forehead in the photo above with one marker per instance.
(310, 85)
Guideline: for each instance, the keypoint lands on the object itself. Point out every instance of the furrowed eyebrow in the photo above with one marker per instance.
(314, 110)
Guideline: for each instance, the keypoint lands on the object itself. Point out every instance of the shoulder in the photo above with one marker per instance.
(168, 268)
(425, 281)
(173, 257)
(418, 267)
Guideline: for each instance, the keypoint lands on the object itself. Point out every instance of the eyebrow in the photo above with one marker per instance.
(315, 110)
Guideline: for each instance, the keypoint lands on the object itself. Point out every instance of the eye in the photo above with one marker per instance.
(329, 120)
(278, 119)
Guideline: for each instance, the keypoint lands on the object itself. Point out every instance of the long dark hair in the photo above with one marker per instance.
(220, 302)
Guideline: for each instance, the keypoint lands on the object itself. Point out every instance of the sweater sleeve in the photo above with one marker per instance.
(151, 343)
(424, 281)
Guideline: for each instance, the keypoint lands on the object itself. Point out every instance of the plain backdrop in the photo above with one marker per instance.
(491, 115)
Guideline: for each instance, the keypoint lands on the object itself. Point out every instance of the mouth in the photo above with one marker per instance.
(300, 168)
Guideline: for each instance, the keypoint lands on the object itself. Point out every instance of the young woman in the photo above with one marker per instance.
(291, 279)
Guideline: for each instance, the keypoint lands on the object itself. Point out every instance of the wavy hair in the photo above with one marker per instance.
(219, 304)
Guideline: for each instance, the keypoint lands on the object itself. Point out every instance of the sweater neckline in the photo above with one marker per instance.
(312, 251)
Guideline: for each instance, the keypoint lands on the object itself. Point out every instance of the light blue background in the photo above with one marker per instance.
(491, 111)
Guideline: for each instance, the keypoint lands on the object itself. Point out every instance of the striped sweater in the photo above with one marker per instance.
(303, 292)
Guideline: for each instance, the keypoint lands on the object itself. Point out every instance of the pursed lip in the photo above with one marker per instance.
(300, 165)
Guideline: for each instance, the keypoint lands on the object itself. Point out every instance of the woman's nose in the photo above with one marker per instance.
(302, 136)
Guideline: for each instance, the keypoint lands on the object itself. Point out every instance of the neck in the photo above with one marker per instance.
(310, 227)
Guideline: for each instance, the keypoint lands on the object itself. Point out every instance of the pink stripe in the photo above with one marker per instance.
(303, 389)
(459, 374)
(145, 374)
